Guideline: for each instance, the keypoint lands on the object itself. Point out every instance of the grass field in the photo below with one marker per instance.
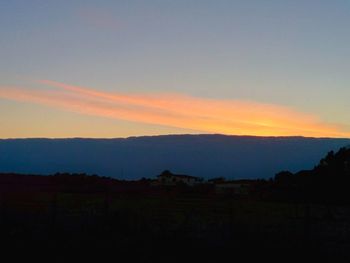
(152, 228)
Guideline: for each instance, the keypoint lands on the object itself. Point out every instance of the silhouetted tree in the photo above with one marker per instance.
(283, 177)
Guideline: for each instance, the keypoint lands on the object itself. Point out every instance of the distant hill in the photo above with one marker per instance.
(207, 156)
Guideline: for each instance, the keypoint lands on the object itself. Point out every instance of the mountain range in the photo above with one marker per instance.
(207, 156)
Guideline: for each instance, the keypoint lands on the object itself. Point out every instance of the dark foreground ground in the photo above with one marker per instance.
(100, 227)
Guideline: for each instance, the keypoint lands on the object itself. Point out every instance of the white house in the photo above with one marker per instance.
(167, 178)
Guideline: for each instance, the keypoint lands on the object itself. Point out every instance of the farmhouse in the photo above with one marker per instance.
(167, 178)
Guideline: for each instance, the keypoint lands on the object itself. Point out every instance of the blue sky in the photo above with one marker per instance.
(293, 54)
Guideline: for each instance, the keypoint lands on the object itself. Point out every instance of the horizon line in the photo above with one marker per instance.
(171, 134)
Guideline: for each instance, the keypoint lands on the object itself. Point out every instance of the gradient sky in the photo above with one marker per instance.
(122, 68)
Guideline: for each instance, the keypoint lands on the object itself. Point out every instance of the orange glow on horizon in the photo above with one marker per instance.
(175, 110)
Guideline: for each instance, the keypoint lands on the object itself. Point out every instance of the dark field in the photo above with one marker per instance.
(169, 227)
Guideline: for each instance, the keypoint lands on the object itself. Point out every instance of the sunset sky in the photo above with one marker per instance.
(80, 68)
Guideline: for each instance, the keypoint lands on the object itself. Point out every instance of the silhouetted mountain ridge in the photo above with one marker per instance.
(205, 155)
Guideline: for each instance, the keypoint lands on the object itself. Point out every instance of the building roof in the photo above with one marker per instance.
(168, 174)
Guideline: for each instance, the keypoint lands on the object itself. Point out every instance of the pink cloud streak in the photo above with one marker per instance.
(175, 110)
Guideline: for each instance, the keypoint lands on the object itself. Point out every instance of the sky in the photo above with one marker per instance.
(106, 68)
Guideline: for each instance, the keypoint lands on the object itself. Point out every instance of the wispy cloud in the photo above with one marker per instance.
(176, 110)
